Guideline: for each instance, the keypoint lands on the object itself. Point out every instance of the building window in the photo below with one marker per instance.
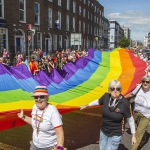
(95, 30)
(60, 41)
(39, 40)
(68, 4)
(91, 30)
(97, 10)
(59, 18)
(88, 15)
(59, 2)
(2, 8)
(88, 30)
(88, 2)
(55, 42)
(79, 26)
(80, 11)
(97, 20)
(73, 26)
(50, 18)
(37, 13)
(91, 17)
(3, 39)
(50, 0)
(74, 6)
(83, 27)
(22, 10)
(84, 11)
(67, 23)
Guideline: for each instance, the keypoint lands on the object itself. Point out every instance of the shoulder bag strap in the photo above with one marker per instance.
(138, 90)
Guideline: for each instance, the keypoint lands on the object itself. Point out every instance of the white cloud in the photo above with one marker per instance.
(135, 20)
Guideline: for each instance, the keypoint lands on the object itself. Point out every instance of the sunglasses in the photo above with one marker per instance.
(41, 97)
(117, 89)
(147, 82)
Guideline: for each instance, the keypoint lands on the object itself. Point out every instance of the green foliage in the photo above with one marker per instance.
(124, 42)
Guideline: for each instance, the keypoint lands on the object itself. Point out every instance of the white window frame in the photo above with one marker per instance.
(88, 26)
(23, 10)
(83, 27)
(2, 8)
(79, 26)
(67, 22)
(73, 24)
(55, 42)
(59, 2)
(38, 14)
(60, 41)
(84, 11)
(50, 18)
(59, 18)
(74, 7)
(80, 10)
(68, 4)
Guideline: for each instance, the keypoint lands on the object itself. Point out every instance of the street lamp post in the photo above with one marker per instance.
(29, 36)
(29, 39)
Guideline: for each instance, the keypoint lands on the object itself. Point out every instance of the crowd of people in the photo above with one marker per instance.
(142, 55)
(40, 60)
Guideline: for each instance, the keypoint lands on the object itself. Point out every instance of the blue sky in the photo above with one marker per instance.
(134, 14)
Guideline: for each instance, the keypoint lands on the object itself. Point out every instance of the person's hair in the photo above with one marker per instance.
(115, 83)
(145, 78)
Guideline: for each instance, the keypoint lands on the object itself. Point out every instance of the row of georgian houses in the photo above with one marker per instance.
(55, 25)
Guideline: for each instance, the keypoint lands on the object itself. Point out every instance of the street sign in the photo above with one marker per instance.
(33, 31)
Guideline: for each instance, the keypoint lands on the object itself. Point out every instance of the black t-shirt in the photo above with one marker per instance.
(113, 121)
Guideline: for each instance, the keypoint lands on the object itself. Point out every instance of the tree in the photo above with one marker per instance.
(124, 42)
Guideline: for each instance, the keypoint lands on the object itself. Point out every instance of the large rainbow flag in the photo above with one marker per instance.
(77, 84)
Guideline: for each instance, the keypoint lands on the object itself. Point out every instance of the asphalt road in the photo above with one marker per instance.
(81, 130)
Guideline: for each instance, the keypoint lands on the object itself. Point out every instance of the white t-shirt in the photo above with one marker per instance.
(142, 102)
(51, 119)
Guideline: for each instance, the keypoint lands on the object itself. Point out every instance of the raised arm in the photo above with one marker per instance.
(25, 118)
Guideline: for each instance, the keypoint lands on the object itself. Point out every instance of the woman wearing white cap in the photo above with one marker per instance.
(46, 123)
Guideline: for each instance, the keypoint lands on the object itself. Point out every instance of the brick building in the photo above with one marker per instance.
(50, 24)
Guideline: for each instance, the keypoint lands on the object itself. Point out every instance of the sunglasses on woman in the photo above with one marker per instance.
(147, 82)
(37, 97)
(117, 89)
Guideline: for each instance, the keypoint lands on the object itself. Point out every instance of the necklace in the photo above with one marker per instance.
(39, 119)
(114, 102)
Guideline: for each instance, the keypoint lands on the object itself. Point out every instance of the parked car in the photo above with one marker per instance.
(147, 52)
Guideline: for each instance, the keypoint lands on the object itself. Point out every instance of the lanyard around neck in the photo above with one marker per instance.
(40, 120)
